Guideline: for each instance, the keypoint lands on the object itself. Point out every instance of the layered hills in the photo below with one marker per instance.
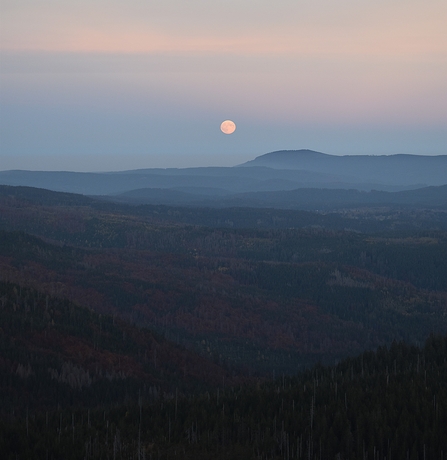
(312, 199)
(255, 182)
(261, 290)
(402, 170)
(154, 331)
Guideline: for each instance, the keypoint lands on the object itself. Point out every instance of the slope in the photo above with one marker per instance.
(55, 353)
(262, 300)
(384, 169)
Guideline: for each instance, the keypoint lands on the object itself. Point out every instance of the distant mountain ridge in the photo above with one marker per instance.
(309, 199)
(279, 171)
(401, 169)
(326, 199)
(229, 179)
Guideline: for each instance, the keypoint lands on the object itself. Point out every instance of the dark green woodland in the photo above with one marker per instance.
(158, 332)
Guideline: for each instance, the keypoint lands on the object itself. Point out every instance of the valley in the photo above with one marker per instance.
(123, 310)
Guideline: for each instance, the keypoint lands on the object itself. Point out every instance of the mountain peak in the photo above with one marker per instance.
(380, 169)
(284, 159)
(285, 156)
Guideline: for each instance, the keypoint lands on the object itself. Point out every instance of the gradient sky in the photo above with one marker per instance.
(111, 85)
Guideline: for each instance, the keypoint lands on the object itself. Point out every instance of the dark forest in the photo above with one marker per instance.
(150, 331)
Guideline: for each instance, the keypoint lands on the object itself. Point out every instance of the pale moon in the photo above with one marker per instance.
(228, 127)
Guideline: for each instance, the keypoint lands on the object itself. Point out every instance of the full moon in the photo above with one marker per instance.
(228, 127)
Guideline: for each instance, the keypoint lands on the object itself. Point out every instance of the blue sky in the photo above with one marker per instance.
(110, 85)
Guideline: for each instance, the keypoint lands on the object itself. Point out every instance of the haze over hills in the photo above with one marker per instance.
(321, 199)
(273, 172)
(400, 169)
(208, 181)
(124, 322)
(262, 289)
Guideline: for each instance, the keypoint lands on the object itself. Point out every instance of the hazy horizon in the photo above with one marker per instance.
(119, 85)
(109, 163)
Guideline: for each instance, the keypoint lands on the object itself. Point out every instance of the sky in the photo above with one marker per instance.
(108, 85)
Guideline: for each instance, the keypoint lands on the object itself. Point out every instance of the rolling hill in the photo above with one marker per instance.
(383, 169)
(275, 171)
(260, 289)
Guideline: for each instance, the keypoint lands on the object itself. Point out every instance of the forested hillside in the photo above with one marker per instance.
(260, 300)
(388, 404)
(57, 354)
(158, 332)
